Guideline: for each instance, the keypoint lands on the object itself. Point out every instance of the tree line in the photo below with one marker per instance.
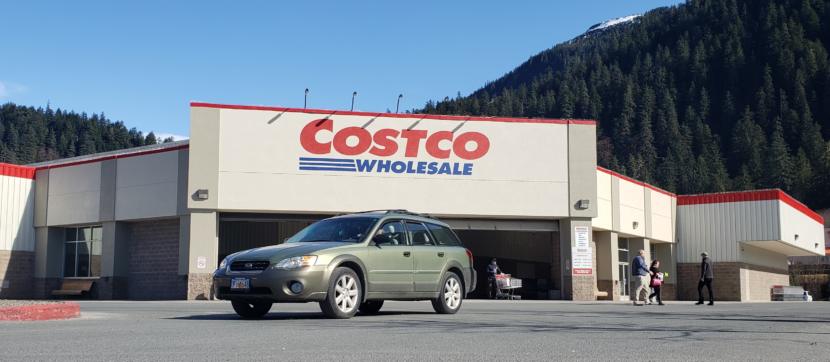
(29, 134)
(706, 96)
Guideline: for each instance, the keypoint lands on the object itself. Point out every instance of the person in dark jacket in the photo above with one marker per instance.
(656, 282)
(642, 276)
(706, 276)
(492, 286)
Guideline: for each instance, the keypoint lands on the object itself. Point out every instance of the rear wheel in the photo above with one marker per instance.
(251, 310)
(370, 306)
(344, 294)
(450, 296)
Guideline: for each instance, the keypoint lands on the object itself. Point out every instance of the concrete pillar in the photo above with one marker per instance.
(608, 270)
(115, 266)
(575, 286)
(201, 251)
(48, 260)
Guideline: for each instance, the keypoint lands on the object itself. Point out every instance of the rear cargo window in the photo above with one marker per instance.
(443, 235)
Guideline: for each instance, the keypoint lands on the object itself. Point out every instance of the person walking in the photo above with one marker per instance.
(643, 276)
(656, 282)
(706, 276)
(492, 286)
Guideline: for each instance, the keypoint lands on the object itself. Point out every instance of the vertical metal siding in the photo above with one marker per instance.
(717, 228)
(16, 213)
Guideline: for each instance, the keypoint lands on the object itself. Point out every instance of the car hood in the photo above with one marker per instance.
(276, 253)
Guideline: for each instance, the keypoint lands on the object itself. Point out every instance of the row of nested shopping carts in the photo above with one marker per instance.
(507, 286)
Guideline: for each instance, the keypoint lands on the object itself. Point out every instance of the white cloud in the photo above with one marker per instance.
(176, 137)
(7, 89)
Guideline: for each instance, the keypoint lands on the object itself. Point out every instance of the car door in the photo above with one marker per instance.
(390, 261)
(429, 258)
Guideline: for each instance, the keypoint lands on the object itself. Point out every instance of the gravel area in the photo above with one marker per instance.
(9, 303)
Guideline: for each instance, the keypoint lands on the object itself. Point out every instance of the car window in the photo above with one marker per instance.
(418, 234)
(347, 229)
(391, 233)
(443, 235)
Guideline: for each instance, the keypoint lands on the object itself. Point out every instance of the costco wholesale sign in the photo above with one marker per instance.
(321, 161)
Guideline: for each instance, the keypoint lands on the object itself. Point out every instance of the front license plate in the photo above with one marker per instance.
(240, 284)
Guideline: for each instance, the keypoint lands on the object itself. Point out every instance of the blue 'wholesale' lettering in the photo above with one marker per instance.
(414, 167)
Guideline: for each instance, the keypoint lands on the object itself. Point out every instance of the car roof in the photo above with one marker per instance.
(396, 214)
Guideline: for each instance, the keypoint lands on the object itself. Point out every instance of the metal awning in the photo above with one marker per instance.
(782, 247)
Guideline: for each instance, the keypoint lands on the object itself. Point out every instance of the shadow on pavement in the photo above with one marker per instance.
(287, 316)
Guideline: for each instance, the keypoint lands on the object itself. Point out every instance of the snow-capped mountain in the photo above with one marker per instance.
(612, 22)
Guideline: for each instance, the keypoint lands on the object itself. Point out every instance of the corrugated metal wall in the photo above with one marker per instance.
(717, 228)
(17, 201)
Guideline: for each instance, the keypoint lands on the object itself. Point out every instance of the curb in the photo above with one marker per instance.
(41, 312)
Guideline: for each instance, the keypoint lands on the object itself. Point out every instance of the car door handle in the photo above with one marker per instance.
(406, 254)
(440, 254)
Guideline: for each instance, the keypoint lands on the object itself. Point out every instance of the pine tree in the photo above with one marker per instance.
(779, 166)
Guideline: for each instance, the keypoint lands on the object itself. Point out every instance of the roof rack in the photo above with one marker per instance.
(396, 211)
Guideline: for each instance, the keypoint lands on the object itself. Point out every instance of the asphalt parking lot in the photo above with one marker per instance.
(483, 330)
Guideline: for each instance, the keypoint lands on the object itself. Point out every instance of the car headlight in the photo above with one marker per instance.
(223, 264)
(296, 262)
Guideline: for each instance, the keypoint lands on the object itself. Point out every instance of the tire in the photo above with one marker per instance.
(251, 310)
(450, 295)
(344, 295)
(370, 307)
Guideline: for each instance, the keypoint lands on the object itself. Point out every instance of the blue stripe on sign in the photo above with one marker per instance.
(309, 168)
(320, 159)
(332, 164)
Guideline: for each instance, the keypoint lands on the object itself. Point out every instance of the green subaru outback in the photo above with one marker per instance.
(352, 263)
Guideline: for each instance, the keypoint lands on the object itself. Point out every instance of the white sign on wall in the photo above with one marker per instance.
(582, 253)
(201, 262)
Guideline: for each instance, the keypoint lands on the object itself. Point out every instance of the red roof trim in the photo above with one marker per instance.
(745, 196)
(7, 169)
(113, 157)
(395, 115)
(637, 182)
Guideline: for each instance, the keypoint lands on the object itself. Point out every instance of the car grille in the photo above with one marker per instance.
(249, 265)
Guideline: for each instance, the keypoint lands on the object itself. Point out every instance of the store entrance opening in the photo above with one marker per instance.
(239, 231)
(532, 256)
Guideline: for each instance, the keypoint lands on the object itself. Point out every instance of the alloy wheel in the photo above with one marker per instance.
(452, 293)
(346, 293)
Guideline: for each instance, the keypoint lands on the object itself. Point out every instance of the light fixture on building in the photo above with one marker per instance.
(583, 204)
(201, 194)
(796, 237)
(634, 225)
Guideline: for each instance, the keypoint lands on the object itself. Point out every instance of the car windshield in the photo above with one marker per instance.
(346, 229)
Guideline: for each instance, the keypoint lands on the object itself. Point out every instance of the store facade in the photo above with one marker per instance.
(153, 222)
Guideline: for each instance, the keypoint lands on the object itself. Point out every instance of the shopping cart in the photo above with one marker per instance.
(507, 287)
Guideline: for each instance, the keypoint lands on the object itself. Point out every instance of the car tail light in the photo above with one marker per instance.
(470, 255)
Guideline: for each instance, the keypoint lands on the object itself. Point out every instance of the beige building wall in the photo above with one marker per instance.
(74, 194)
(147, 186)
(258, 150)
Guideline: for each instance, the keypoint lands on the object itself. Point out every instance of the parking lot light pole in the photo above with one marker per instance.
(354, 94)
(305, 99)
(398, 106)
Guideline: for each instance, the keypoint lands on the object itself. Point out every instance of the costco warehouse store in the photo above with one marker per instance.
(154, 222)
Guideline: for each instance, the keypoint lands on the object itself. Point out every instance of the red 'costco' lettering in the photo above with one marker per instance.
(385, 142)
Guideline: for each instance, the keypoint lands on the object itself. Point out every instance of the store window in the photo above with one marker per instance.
(82, 252)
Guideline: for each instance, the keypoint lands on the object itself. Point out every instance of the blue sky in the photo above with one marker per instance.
(143, 62)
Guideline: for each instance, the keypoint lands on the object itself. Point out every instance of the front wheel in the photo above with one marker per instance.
(344, 294)
(451, 295)
(251, 310)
